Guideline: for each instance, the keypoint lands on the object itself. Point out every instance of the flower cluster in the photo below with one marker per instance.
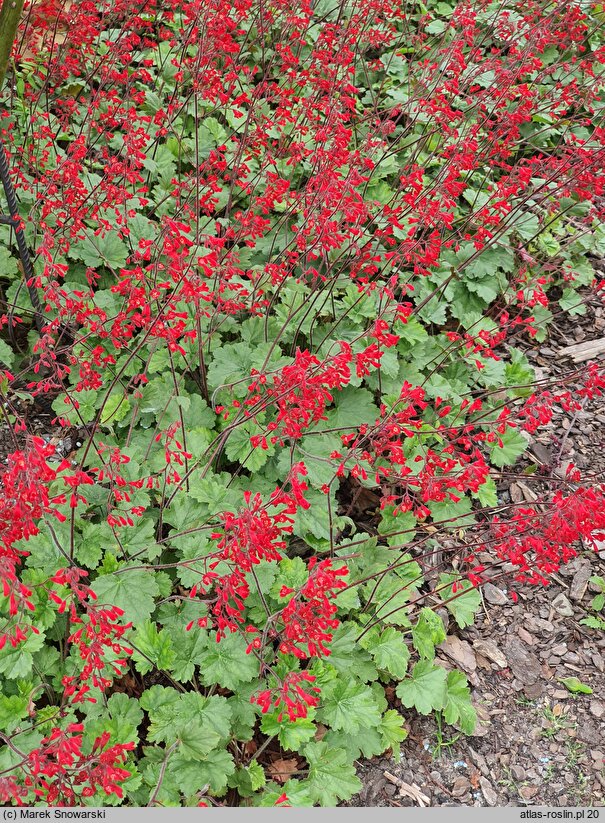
(61, 774)
(538, 542)
(308, 618)
(293, 694)
(101, 634)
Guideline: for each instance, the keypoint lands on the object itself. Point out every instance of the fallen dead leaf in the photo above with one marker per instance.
(473, 777)
(320, 733)
(409, 790)
(282, 770)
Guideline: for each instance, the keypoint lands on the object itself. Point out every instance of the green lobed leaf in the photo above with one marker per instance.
(13, 708)
(575, 686)
(425, 689)
(466, 599)
(226, 662)
(392, 731)
(366, 742)
(152, 648)
(18, 661)
(427, 633)
(292, 734)
(248, 779)
(331, 775)
(511, 446)
(458, 707)
(348, 705)
(348, 657)
(389, 650)
(133, 591)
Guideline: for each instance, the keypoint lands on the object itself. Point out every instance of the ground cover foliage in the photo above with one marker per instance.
(285, 254)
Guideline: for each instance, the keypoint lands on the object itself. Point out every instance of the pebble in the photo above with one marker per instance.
(518, 772)
(528, 792)
(479, 761)
(580, 582)
(488, 649)
(460, 786)
(494, 595)
(534, 690)
(491, 797)
(562, 605)
(597, 755)
(378, 787)
(590, 732)
(524, 665)
(597, 709)
(538, 625)
(571, 657)
(525, 636)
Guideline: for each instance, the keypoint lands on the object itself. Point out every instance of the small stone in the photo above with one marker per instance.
(598, 661)
(460, 652)
(489, 649)
(525, 636)
(378, 787)
(560, 649)
(571, 657)
(461, 786)
(534, 690)
(590, 732)
(528, 792)
(580, 582)
(597, 755)
(597, 709)
(562, 606)
(390, 789)
(479, 761)
(494, 595)
(524, 665)
(541, 453)
(538, 625)
(491, 797)
(518, 772)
